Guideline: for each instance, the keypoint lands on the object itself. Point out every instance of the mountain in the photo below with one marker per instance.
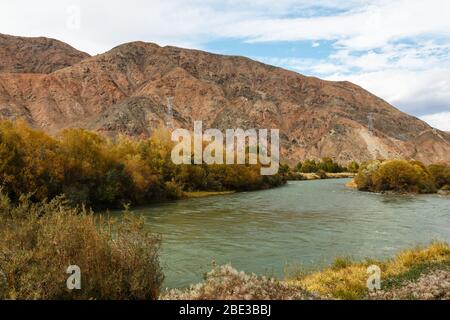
(127, 89)
(36, 55)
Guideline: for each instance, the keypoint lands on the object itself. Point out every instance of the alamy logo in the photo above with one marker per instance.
(73, 18)
(374, 280)
(74, 281)
(235, 144)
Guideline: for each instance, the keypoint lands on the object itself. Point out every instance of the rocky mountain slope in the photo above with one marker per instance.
(126, 90)
(36, 55)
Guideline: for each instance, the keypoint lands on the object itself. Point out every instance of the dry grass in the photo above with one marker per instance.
(347, 280)
(118, 260)
(226, 283)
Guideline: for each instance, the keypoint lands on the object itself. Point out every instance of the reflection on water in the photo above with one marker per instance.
(305, 223)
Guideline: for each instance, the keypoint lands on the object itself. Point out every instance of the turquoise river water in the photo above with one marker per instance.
(303, 224)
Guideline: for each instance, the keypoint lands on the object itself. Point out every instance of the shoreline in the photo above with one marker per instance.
(443, 193)
(315, 176)
(422, 272)
(206, 194)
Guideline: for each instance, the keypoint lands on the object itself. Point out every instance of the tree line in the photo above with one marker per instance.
(96, 171)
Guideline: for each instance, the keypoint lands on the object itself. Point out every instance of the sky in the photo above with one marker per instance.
(397, 49)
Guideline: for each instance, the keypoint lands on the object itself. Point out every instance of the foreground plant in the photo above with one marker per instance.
(38, 242)
(226, 283)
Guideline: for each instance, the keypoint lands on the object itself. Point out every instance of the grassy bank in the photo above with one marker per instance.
(419, 273)
(346, 279)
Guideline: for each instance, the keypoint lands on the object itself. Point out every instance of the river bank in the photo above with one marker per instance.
(282, 235)
(204, 194)
(305, 223)
(297, 176)
(419, 273)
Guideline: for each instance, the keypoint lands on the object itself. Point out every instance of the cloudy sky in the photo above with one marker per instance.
(397, 49)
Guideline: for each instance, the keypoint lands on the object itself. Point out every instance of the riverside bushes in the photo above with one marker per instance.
(441, 175)
(118, 260)
(402, 176)
(327, 165)
(90, 169)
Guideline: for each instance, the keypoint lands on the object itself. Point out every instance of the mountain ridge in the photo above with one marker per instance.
(36, 54)
(126, 89)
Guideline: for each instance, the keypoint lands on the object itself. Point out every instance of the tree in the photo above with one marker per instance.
(309, 166)
(353, 167)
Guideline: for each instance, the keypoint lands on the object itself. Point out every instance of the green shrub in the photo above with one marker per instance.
(353, 167)
(440, 174)
(309, 166)
(364, 178)
(118, 260)
(395, 175)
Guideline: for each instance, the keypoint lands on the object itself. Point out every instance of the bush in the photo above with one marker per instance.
(118, 260)
(364, 178)
(353, 167)
(440, 174)
(309, 166)
(174, 191)
(395, 175)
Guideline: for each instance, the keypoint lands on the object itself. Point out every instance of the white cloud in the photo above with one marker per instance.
(364, 28)
(438, 120)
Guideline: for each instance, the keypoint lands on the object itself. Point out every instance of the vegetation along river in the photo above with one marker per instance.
(303, 224)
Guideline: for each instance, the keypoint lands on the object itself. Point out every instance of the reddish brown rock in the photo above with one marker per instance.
(126, 90)
(36, 55)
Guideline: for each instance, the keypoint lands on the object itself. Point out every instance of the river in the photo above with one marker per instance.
(304, 224)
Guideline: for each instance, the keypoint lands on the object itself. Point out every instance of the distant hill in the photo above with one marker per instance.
(54, 86)
(36, 55)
